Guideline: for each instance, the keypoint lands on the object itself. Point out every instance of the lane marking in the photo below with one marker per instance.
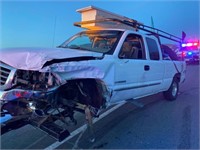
(136, 103)
(38, 140)
(77, 131)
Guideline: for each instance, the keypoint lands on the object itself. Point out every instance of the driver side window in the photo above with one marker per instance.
(132, 48)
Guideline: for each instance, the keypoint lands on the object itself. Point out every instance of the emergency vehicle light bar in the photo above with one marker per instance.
(189, 44)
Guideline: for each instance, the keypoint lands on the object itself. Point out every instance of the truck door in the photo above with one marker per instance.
(129, 68)
(154, 68)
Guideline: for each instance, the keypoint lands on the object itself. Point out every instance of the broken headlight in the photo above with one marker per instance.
(34, 80)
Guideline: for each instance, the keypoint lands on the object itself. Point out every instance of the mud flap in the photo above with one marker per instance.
(90, 127)
(89, 122)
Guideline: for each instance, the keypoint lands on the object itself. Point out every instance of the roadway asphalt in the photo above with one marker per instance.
(159, 124)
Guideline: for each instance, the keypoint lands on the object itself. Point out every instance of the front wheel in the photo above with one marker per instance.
(172, 93)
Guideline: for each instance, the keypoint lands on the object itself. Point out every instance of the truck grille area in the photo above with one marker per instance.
(6, 76)
(4, 73)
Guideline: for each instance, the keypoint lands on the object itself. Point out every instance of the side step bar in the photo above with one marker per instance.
(12, 124)
(53, 130)
(50, 128)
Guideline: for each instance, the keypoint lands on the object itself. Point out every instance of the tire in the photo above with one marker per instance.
(172, 93)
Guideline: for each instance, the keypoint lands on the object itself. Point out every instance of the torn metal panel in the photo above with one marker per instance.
(73, 70)
(35, 58)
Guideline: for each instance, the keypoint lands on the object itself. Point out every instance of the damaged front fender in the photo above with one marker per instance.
(75, 70)
(52, 94)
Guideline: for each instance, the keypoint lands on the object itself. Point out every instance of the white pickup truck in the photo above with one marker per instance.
(90, 71)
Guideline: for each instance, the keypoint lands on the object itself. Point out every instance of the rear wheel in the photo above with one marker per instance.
(172, 93)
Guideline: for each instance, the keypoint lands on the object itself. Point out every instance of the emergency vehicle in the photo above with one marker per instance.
(190, 52)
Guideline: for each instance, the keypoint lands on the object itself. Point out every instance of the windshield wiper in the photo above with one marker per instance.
(75, 47)
(78, 47)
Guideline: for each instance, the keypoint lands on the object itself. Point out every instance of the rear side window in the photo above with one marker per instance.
(153, 49)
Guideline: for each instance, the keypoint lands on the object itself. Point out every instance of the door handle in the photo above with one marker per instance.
(146, 67)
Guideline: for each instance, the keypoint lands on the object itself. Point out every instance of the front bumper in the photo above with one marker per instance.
(191, 59)
(27, 94)
(9, 122)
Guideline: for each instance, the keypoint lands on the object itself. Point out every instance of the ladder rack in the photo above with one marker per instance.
(136, 26)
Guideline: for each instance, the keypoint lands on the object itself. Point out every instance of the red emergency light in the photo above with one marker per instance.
(195, 44)
(183, 54)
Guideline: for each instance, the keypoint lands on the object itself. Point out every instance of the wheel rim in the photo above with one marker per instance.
(174, 89)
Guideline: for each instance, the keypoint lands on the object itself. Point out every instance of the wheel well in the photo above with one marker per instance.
(177, 77)
(85, 91)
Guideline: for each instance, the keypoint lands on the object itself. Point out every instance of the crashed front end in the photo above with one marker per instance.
(44, 86)
(49, 97)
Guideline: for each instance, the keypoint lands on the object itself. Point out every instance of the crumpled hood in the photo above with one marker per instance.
(35, 58)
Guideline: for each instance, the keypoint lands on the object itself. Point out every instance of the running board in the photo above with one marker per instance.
(50, 128)
(55, 131)
(12, 124)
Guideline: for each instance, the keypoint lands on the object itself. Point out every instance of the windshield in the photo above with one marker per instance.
(102, 41)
